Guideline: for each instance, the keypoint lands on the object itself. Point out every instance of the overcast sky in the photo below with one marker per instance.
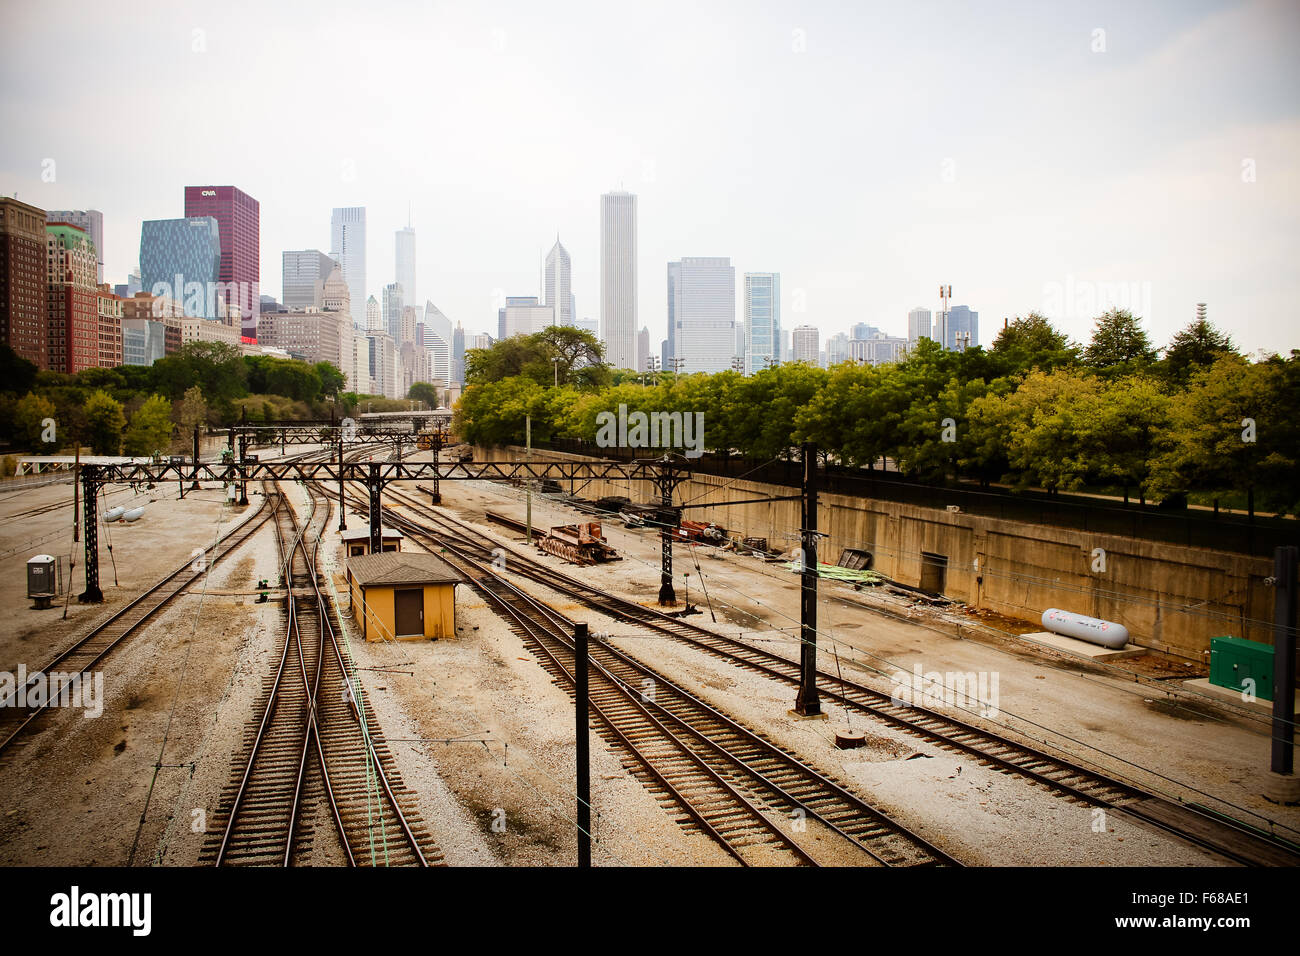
(1033, 155)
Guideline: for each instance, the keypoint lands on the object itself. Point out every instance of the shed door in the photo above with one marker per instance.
(409, 611)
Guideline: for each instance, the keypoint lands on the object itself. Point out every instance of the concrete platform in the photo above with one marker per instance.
(1093, 652)
(1202, 685)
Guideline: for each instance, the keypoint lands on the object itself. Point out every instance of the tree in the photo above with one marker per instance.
(17, 375)
(1032, 342)
(31, 417)
(331, 379)
(1198, 346)
(193, 410)
(1119, 343)
(104, 423)
(216, 368)
(425, 392)
(150, 431)
(570, 355)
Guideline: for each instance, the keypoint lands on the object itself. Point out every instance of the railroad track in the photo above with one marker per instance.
(1203, 826)
(758, 801)
(92, 648)
(314, 753)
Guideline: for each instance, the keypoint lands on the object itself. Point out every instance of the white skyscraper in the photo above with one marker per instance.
(304, 272)
(559, 284)
(405, 260)
(919, 324)
(806, 343)
(374, 318)
(702, 313)
(348, 247)
(762, 320)
(618, 304)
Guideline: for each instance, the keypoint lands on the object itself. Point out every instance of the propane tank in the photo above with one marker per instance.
(1091, 629)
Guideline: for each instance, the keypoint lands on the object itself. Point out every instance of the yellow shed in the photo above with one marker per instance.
(357, 540)
(405, 596)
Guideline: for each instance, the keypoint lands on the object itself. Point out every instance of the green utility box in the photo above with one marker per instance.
(1235, 659)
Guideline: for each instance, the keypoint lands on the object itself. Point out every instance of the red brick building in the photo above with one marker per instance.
(72, 299)
(23, 280)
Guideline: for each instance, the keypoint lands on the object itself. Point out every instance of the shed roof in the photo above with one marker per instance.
(407, 567)
(363, 533)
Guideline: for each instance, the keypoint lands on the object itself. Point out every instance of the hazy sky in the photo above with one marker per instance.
(866, 152)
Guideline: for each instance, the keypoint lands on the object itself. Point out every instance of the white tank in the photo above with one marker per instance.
(1091, 629)
(135, 514)
(112, 514)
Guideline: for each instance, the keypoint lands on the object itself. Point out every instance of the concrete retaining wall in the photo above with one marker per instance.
(1169, 597)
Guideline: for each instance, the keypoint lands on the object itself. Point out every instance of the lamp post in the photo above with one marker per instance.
(555, 361)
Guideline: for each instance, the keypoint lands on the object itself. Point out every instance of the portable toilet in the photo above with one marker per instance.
(41, 584)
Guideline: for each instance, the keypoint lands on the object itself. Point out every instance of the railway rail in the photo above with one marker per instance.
(1226, 836)
(314, 752)
(760, 802)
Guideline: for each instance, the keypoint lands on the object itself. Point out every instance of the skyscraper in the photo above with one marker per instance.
(762, 320)
(374, 319)
(393, 302)
(559, 284)
(806, 345)
(238, 217)
(524, 315)
(404, 257)
(919, 324)
(89, 221)
(304, 274)
(23, 280)
(643, 349)
(702, 310)
(181, 259)
(458, 356)
(71, 300)
(618, 297)
(348, 247)
(962, 322)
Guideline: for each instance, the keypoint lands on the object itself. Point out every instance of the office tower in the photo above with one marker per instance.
(878, 350)
(862, 331)
(762, 320)
(89, 221)
(404, 257)
(837, 349)
(348, 247)
(438, 352)
(524, 315)
(374, 318)
(71, 300)
(167, 312)
(786, 350)
(963, 328)
(618, 296)
(312, 334)
(664, 356)
(382, 363)
(559, 284)
(408, 323)
(181, 259)
(458, 356)
(481, 341)
(143, 341)
(238, 217)
(393, 302)
(304, 271)
(109, 313)
(436, 322)
(806, 344)
(642, 349)
(919, 324)
(335, 295)
(590, 325)
(24, 280)
(702, 313)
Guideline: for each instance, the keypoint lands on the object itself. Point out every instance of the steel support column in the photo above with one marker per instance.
(89, 494)
(376, 485)
(1284, 621)
(808, 703)
(343, 511)
(583, 743)
(243, 482)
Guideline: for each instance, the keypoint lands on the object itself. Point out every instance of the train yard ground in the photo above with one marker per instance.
(481, 734)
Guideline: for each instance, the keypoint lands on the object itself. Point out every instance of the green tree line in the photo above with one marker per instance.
(1035, 410)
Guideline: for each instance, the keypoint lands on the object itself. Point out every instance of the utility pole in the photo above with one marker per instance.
(1284, 622)
(528, 482)
(945, 293)
(808, 703)
(76, 489)
(195, 485)
(583, 743)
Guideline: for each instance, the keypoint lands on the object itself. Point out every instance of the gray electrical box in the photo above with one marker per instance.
(42, 584)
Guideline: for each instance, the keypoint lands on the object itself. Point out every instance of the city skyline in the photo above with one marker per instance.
(1012, 196)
